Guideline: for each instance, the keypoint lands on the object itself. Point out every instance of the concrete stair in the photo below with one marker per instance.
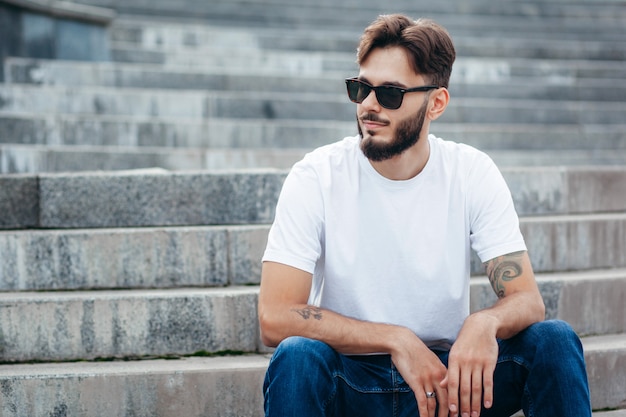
(148, 283)
(136, 195)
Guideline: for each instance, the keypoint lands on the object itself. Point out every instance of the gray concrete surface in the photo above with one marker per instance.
(155, 197)
(131, 258)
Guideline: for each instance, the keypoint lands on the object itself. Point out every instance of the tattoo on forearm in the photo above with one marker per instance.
(308, 312)
(502, 269)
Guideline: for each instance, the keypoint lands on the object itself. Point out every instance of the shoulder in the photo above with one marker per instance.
(451, 151)
(460, 162)
(333, 152)
(330, 159)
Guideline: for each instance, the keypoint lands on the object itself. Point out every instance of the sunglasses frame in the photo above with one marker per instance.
(381, 90)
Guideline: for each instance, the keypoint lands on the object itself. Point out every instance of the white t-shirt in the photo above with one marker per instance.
(389, 251)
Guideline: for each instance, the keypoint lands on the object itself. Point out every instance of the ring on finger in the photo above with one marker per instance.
(431, 394)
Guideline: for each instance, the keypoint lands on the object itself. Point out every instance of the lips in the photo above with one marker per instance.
(371, 121)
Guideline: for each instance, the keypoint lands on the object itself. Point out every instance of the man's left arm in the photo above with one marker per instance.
(473, 356)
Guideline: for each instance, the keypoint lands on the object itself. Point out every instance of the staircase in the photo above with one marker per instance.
(136, 195)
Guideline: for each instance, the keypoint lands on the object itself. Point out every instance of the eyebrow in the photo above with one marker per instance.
(389, 83)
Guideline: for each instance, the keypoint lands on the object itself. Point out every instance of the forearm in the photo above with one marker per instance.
(344, 334)
(519, 302)
(512, 314)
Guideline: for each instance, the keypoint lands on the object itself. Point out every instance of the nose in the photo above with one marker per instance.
(370, 103)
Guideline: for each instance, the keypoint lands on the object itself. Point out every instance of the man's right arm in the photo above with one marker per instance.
(284, 312)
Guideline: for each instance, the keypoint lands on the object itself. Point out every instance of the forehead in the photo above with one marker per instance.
(388, 65)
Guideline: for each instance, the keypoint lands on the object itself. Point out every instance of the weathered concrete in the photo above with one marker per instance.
(19, 201)
(201, 256)
(87, 325)
(605, 364)
(305, 13)
(140, 199)
(481, 80)
(543, 42)
(264, 105)
(227, 386)
(78, 325)
(576, 242)
(39, 158)
(566, 190)
(190, 387)
(592, 302)
(160, 198)
(121, 258)
(121, 130)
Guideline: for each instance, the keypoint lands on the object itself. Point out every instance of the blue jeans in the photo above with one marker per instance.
(541, 371)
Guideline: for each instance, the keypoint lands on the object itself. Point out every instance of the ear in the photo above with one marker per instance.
(439, 100)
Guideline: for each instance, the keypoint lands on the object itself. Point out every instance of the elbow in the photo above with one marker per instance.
(270, 336)
(539, 308)
(267, 337)
(268, 341)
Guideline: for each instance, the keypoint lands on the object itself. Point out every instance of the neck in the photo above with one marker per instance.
(406, 165)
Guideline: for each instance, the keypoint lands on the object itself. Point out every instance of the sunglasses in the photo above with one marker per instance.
(388, 96)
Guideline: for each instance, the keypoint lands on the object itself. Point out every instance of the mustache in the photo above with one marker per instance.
(372, 117)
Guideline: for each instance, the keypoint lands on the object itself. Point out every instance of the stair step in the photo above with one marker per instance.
(86, 325)
(476, 43)
(225, 386)
(475, 80)
(121, 130)
(159, 265)
(276, 11)
(604, 356)
(306, 63)
(161, 257)
(200, 105)
(161, 198)
(62, 326)
(189, 33)
(219, 255)
(41, 158)
(190, 387)
(612, 413)
(590, 301)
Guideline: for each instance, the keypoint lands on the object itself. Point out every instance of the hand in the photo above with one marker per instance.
(471, 365)
(423, 372)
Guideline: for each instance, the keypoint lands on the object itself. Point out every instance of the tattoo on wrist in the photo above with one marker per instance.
(503, 269)
(308, 312)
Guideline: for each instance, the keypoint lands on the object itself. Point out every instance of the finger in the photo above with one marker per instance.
(442, 400)
(451, 383)
(488, 387)
(477, 392)
(431, 402)
(422, 403)
(465, 392)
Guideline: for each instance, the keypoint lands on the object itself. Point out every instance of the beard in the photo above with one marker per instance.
(404, 136)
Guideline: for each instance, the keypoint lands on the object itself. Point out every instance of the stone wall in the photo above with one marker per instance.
(53, 30)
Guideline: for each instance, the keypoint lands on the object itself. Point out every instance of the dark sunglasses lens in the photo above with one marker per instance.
(389, 97)
(357, 92)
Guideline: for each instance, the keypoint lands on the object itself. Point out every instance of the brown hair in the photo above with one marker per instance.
(428, 44)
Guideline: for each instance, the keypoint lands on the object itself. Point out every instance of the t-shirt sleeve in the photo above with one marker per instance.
(296, 235)
(494, 223)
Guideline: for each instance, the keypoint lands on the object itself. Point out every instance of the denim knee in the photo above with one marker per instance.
(300, 377)
(556, 333)
(303, 349)
(296, 355)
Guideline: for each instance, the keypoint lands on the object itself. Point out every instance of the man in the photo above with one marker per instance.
(365, 281)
